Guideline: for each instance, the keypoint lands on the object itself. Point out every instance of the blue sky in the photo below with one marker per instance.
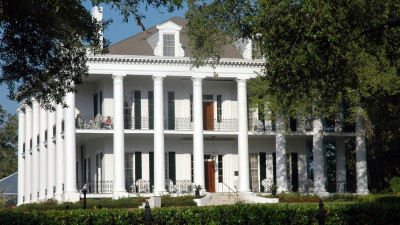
(116, 32)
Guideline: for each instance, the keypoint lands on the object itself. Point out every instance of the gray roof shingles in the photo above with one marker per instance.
(138, 45)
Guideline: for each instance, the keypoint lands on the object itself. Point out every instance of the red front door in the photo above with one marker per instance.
(210, 175)
(208, 115)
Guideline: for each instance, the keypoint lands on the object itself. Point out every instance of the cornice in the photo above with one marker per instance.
(120, 59)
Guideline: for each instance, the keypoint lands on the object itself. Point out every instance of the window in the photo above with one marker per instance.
(45, 135)
(255, 50)
(219, 108)
(208, 97)
(220, 170)
(99, 172)
(54, 130)
(129, 169)
(253, 170)
(169, 45)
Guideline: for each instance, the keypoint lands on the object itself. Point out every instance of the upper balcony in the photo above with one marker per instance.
(220, 124)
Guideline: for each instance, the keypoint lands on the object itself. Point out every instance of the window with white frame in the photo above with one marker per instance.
(168, 44)
(129, 168)
(253, 168)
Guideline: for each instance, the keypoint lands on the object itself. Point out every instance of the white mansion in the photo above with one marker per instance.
(144, 121)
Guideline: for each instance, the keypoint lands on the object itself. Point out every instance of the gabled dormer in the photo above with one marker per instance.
(165, 41)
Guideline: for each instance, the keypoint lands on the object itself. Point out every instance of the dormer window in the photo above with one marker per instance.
(255, 50)
(165, 41)
(169, 45)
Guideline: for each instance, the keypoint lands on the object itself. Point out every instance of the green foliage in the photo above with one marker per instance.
(90, 204)
(319, 56)
(167, 201)
(297, 197)
(371, 213)
(340, 198)
(395, 184)
(42, 43)
(378, 199)
(8, 143)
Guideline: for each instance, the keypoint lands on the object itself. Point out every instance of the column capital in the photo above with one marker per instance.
(158, 79)
(21, 112)
(35, 103)
(197, 80)
(118, 76)
(241, 82)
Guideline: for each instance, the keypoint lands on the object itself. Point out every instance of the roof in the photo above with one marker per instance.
(138, 45)
(9, 185)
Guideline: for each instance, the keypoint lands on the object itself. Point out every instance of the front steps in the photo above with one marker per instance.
(225, 199)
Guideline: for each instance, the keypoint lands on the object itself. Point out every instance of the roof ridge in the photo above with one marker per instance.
(154, 26)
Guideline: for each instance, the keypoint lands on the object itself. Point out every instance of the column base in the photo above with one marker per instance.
(362, 192)
(71, 197)
(50, 197)
(42, 199)
(281, 189)
(160, 192)
(120, 194)
(58, 197)
(322, 193)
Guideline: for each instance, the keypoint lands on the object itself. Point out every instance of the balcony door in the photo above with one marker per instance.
(208, 115)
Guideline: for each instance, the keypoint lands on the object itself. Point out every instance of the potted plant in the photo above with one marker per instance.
(273, 189)
(197, 189)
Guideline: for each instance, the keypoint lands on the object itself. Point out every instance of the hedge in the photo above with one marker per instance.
(360, 213)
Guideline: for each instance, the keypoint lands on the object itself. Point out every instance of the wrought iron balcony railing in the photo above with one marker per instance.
(97, 186)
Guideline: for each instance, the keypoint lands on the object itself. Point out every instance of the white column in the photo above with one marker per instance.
(28, 155)
(243, 145)
(361, 157)
(159, 167)
(318, 156)
(70, 192)
(51, 155)
(59, 153)
(340, 166)
(198, 141)
(281, 166)
(119, 189)
(21, 156)
(42, 155)
(35, 150)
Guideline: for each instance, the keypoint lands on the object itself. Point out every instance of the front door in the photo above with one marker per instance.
(208, 115)
(210, 175)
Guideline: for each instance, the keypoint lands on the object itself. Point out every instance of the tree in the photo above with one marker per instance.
(8, 143)
(319, 55)
(42, 44)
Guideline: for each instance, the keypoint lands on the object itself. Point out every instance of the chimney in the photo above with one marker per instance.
(97, 14)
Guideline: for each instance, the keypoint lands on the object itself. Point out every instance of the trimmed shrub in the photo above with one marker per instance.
(340, 198)
(361, 213)
(395, 185)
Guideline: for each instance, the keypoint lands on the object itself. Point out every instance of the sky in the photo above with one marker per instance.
(117, 31)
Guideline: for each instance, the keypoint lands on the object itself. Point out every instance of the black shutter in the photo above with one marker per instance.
(295, 172)
(95, 101)
(101, 102)
(138, 165)
(151, 165)
(171, 168)
(274, 166)
(151, 110)
(263, 173)
(138, 109)
(171, 111)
